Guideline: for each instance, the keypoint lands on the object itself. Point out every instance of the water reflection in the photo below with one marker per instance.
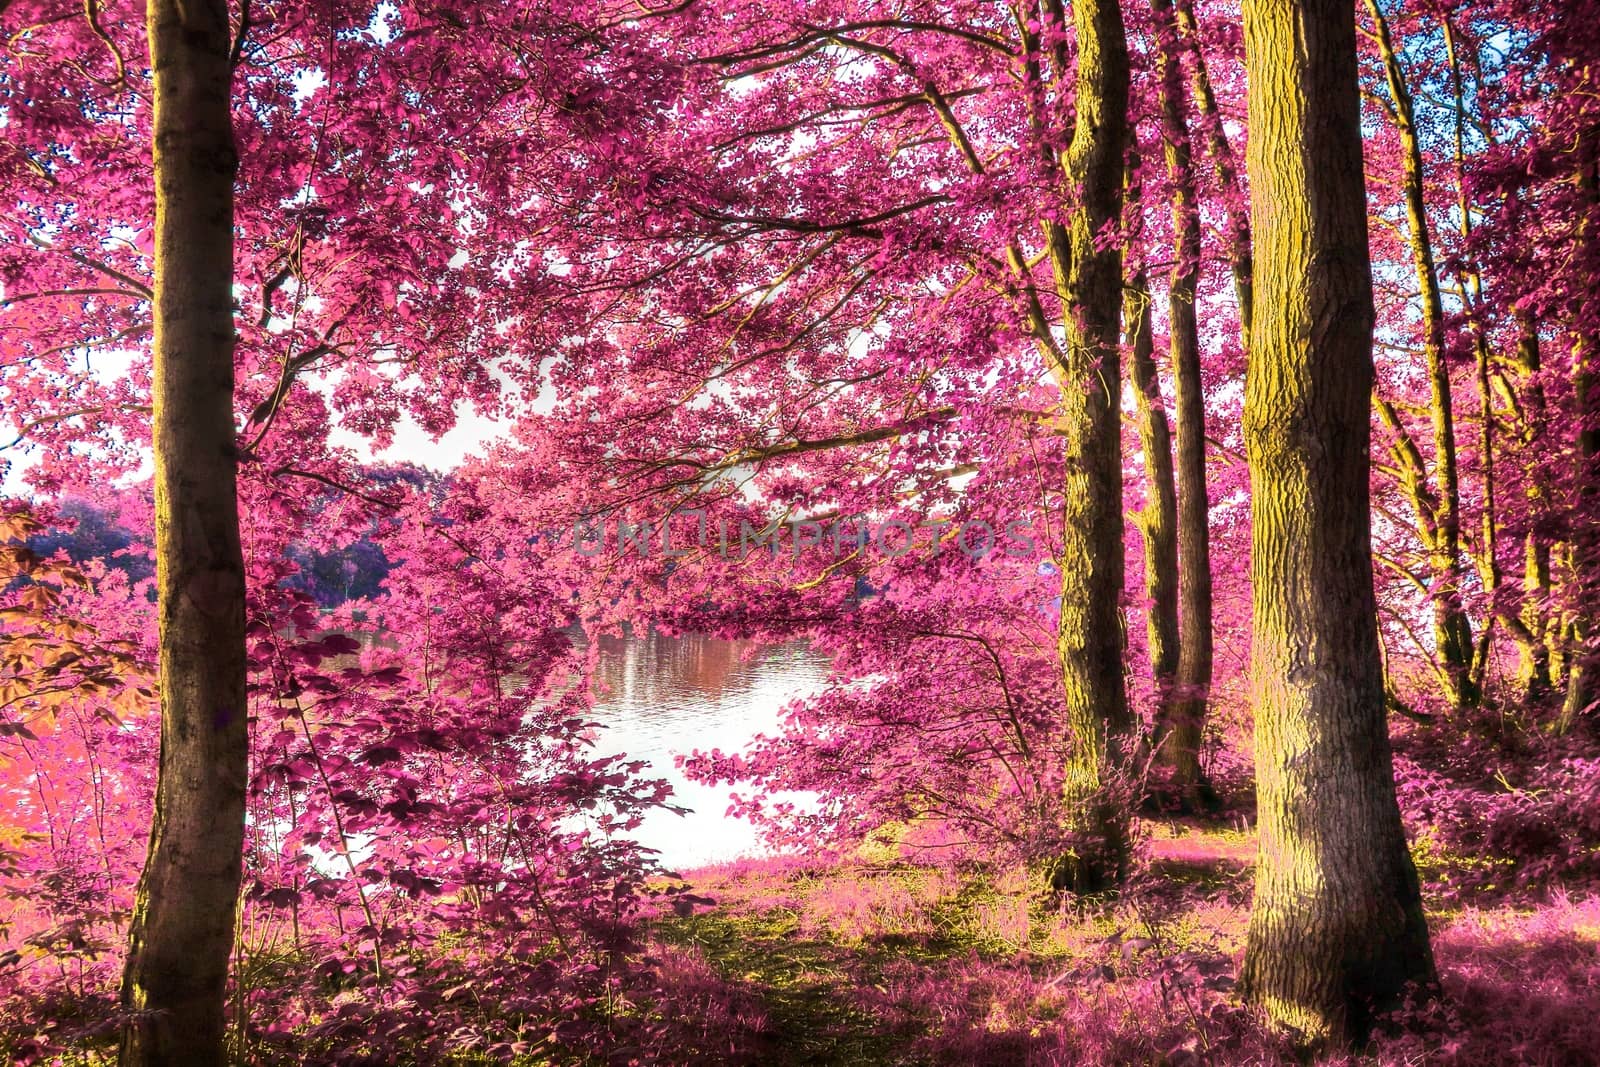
(661, 697)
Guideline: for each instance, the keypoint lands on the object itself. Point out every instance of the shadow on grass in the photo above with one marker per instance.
(900, 966)
(780, 998)
(893, 968)
(1519, 988)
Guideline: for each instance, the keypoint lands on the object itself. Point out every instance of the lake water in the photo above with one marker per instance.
(667, 696)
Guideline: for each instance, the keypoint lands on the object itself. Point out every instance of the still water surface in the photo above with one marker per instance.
(662, 697)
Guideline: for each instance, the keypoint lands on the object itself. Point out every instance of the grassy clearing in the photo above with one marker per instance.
(878, 962)
(890, 963)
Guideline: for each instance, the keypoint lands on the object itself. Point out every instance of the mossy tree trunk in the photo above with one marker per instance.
(1337, 932)
(1240, 252)
(1536, 635)
(183, 919)
(1158, 518)
(1089, 282)
(1179, 733)
(1585, 542)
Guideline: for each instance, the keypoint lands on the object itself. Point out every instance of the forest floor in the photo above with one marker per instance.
(874, 961)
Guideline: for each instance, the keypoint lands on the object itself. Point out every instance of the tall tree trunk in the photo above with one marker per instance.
(1585, 542)
(1158, 520)
(1527, 619)
(1240, 253)
(1452, 629)
(1337, 929)
(1534, 666)
(1089, 284)
(1469, 291)
(183, 919)
(1180, 734)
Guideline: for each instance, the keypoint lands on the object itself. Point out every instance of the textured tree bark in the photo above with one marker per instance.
(1089, 284)
(1536, 635)
(1158, 519)
(1180, 732)
(1337, 931)
(183, 920)
(1452, 629)
(1585, 543)
(1240, 252)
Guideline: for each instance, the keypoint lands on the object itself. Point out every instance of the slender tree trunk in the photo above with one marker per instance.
(1180, 734)
(1528, 620)
(1337, 930)
(1469, 290)
(1534, 667)
(1452, 629)
(1533, 662)
(1489, 525)
(1240, 253)
(1089, 284)
(183, 919)
(1585, 543)
(1158, 520)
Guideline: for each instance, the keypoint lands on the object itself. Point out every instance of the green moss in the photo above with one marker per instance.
(796, 980)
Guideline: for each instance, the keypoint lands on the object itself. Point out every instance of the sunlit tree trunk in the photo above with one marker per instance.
(1452, 629)
(1585, 543)
(1180, 732)
(1240, 253)
(1158, 519)
(1089, 283)
(1534, 667)
(183, 917)
(1337, 930)
(1521, 620)
(1469, 291)
(1573, 558)
(1525, 619)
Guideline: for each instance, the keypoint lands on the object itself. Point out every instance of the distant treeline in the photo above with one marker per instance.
(86, 531)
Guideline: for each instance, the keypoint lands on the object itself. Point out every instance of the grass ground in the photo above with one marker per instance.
(874, 961)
